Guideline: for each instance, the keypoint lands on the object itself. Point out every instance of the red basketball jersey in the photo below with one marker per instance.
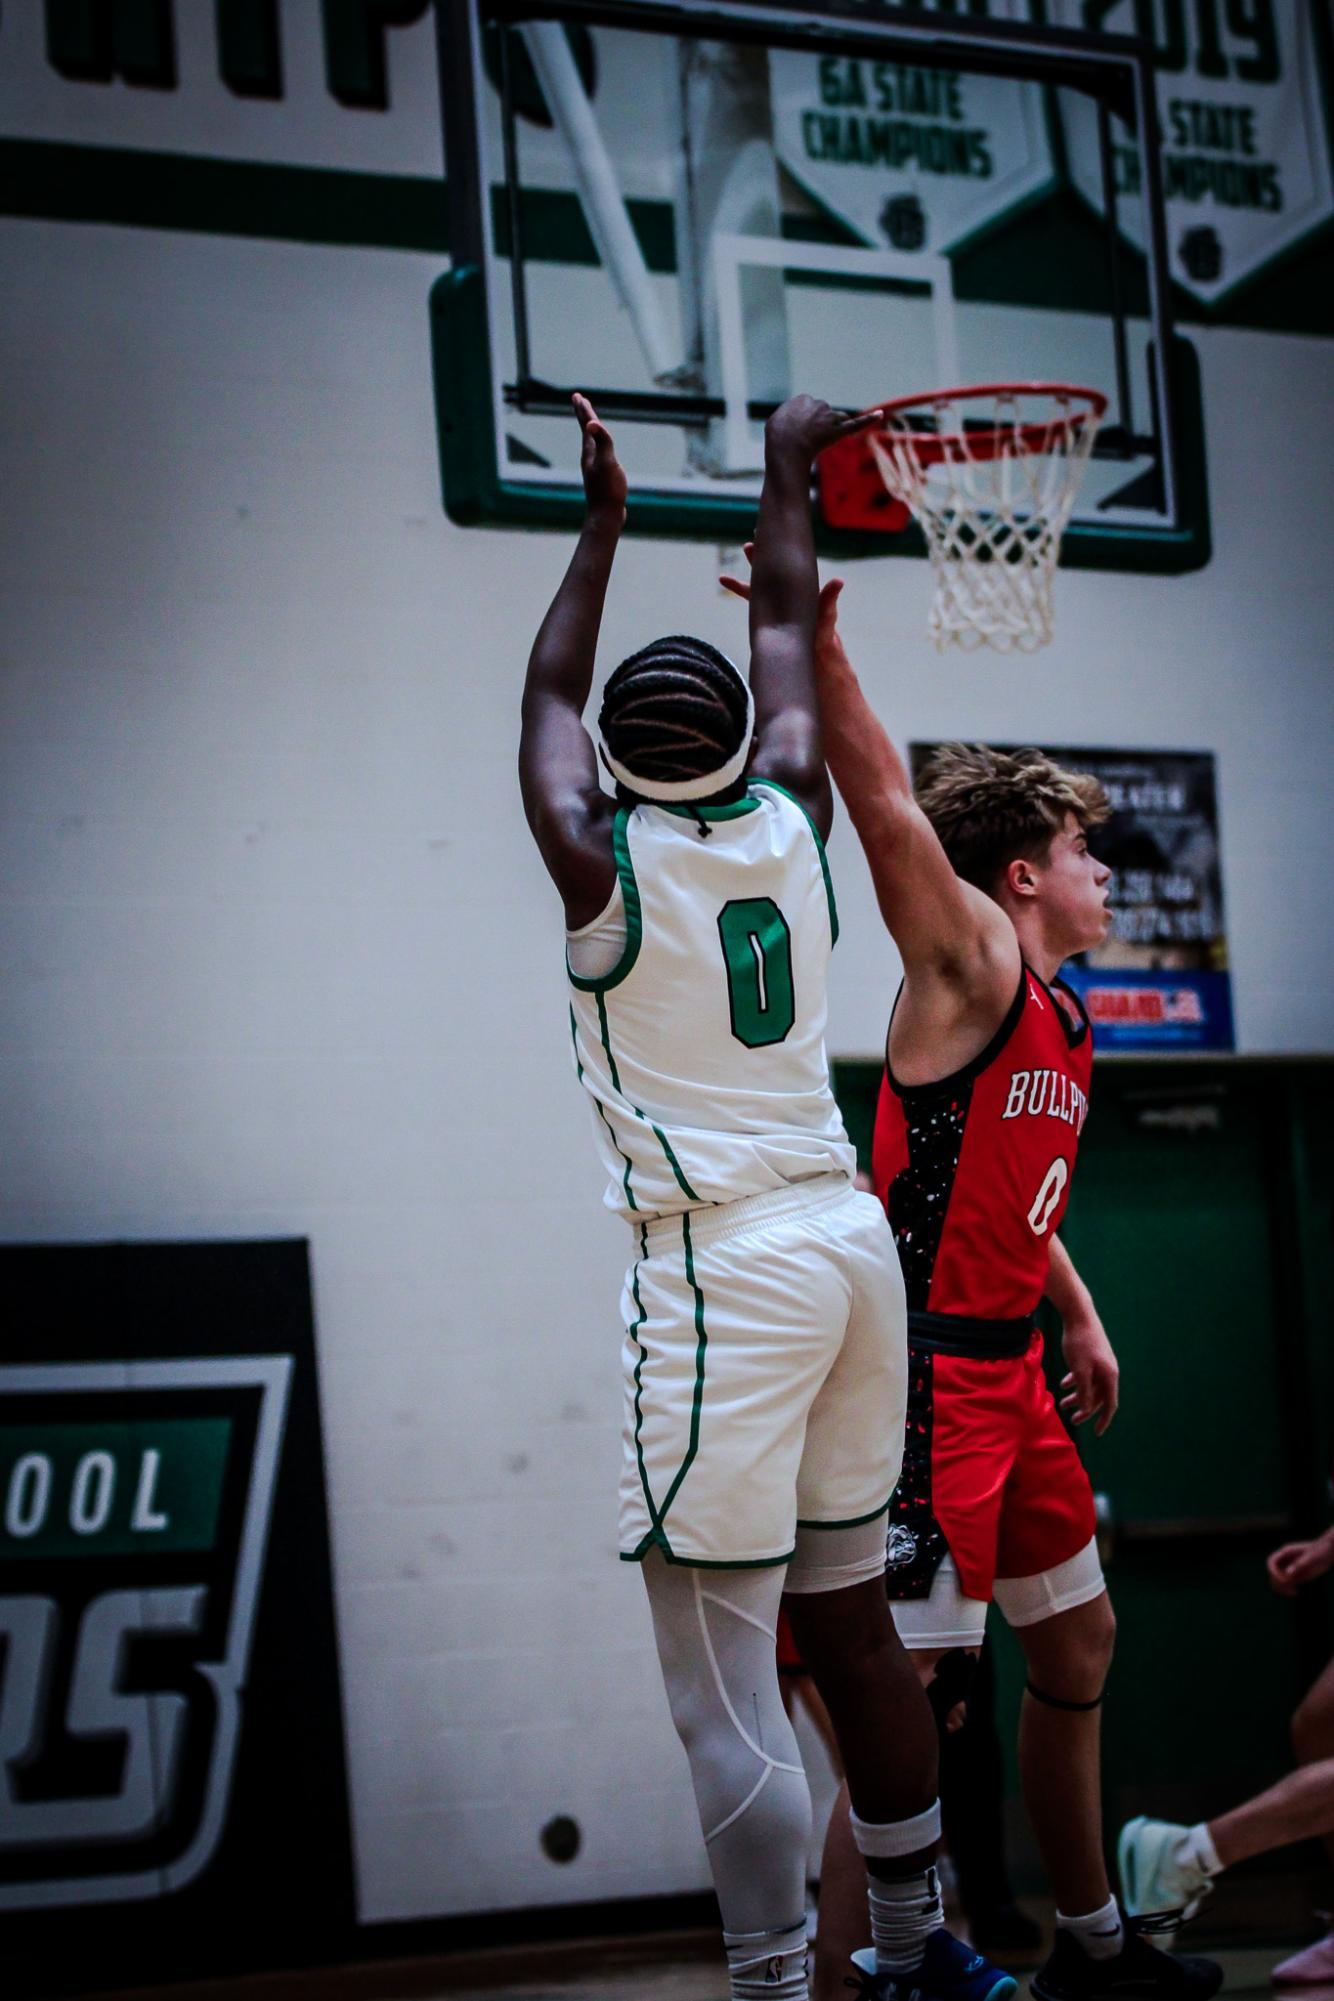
(974, 1171)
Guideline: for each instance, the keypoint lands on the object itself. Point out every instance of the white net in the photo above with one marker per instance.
(991, 475)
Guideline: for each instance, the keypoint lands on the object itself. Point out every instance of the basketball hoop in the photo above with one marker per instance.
(991, 474)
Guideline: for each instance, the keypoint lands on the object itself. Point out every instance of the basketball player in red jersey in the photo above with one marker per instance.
(988, 885)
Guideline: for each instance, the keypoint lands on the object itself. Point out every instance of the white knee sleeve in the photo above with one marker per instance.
(831, 1559)
(1026, 1601)
(716, 1631)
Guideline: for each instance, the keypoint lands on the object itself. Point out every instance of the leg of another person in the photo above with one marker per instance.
(1167, 1868)
(1060, 1749)
(887, 1740)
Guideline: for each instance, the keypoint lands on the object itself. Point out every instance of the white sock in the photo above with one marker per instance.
(1196, 1850)
(768, 1966)
(904, 1913)
(1101, 1933)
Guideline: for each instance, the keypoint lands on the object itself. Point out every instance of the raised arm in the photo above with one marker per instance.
(784, 596)
(569, 813)
(960, 954)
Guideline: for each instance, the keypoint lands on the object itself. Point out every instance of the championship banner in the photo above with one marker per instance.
(1244, 126)
(908, 158)
(1160, 981)
(172, 1797)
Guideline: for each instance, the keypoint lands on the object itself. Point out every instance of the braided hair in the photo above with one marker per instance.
(677, 709)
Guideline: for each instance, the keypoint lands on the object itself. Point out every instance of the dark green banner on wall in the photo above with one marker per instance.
(170, 1725)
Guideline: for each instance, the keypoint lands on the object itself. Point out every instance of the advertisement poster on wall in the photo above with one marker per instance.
(1161, 980)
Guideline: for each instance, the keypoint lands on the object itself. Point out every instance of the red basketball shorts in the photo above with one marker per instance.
(990, 1476)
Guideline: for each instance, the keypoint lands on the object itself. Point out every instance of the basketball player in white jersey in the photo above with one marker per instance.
(765, 1356)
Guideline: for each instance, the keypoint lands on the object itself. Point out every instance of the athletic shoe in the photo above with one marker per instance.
(1138, 1970)
(1312, 1967)
(950, 1971)
(1160, 1890)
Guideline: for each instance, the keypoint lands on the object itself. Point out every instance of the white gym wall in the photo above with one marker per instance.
(282, 960)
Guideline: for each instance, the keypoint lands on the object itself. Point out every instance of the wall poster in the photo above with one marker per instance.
(1161, 979)
(172, 1793)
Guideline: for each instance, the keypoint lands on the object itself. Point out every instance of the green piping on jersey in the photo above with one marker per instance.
(853, 1521)
(673, 1163)
(661, 1136)
(774, 786)
(625, 1178)
(633, 1334)
(731, 811)
(634, 923)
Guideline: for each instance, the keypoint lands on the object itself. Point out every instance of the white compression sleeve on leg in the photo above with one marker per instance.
(715, 1632)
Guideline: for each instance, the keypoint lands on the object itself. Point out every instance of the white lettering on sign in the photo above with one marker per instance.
(29, 1494)
(909, 158)
(146, 1517)
(92, 1492)
(1245, 156)
(341, 87)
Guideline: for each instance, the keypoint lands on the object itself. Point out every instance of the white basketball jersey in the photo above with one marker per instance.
(703, 1049)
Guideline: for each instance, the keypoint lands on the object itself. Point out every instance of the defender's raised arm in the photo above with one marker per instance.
(947, 931)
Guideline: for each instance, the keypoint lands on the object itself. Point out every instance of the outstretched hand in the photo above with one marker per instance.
(826, 624)
(605, 484)
(804, 425)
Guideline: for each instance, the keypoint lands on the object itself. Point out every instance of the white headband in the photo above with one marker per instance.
(670, 790)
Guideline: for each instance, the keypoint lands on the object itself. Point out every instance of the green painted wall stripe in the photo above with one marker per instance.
(116, 184)
(62, 180)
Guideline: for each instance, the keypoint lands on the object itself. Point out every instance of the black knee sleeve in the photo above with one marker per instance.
(950, 1683)
(1059, 1701)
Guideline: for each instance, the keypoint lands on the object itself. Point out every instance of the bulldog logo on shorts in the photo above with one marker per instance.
(900, 1546)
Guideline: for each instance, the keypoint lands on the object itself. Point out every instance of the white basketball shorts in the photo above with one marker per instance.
(766, 1375)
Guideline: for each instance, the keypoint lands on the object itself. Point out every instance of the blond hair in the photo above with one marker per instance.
(989, 807)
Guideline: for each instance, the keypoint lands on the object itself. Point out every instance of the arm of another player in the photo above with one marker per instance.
(949, 934)
(1298, 1563)
(784, 594)
(569, 813)
(1091, 1388)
